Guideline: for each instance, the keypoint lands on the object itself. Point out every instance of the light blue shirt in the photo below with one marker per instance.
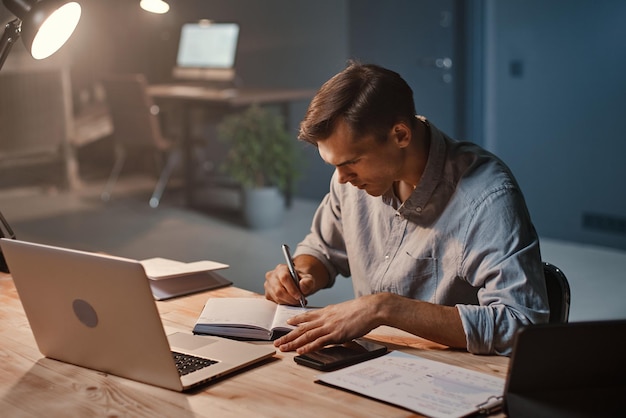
(464, 238)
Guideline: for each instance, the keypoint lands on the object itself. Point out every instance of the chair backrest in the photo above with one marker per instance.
(133, 112)
(558, 293)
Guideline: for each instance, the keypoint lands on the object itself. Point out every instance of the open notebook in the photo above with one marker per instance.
(97, 311)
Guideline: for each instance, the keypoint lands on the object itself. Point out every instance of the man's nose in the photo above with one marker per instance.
(344, 175)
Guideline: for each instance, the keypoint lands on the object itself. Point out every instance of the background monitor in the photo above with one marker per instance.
(207, 51)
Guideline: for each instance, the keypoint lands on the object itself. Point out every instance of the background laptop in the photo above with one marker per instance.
(97, 311)
(206, 52)
(576, 369)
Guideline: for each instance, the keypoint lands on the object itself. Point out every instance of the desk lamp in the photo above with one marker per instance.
(44, 26)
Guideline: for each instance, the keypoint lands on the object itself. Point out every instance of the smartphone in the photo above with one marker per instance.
(337, 356)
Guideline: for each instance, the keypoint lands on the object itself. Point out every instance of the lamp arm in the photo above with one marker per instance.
(11, 34)
(9, 234)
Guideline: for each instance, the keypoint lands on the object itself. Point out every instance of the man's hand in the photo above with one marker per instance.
(331, 325)
(345, 321)
(280, 288)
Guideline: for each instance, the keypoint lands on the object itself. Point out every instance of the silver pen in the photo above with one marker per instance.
(293, 272)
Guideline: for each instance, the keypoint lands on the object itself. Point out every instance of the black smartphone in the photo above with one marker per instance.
(341, 355)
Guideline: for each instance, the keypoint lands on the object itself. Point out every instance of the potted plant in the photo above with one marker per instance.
(263, 159)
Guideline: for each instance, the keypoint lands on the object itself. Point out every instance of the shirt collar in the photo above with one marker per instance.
(430, 178)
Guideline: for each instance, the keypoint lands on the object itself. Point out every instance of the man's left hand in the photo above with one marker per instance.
(333, 324)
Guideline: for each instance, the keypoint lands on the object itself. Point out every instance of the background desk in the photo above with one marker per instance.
(31, 385)
(220, 102)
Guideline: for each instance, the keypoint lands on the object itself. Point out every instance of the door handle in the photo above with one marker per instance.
(445, 63)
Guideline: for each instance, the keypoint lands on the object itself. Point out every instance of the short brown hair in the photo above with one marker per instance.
(370, 98)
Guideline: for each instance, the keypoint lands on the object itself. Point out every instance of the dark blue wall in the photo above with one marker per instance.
(539, 83)
(556, 107)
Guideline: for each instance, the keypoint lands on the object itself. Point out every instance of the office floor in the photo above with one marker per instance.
(127, 226)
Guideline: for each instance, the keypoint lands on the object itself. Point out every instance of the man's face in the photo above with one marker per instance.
(364, 162)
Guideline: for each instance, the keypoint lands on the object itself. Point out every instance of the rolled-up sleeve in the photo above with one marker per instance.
(501, 257)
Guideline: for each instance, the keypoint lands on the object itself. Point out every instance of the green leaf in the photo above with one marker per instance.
(262, 152)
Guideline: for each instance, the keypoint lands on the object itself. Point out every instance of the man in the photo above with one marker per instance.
(435, 233)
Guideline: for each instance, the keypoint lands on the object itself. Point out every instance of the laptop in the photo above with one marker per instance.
(97, 311)
(576, 369)
(206, 52)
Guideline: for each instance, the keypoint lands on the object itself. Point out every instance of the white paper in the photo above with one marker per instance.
(284, 313)
(163, 268)
(258, 312)
(421, 385)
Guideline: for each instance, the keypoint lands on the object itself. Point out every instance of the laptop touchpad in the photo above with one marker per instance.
(188, 341)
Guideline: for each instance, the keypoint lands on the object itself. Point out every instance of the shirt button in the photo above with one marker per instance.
(418, 209)
(386, 257)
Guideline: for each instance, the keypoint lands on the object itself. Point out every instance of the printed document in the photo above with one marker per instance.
(425, 386)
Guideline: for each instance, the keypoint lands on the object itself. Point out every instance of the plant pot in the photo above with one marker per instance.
(262, 207)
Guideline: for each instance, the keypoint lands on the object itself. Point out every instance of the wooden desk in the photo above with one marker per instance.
(219, 102)
(31, 385)
(228, 97)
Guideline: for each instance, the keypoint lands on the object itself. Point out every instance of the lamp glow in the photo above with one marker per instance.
(56, 30)
(155, 6)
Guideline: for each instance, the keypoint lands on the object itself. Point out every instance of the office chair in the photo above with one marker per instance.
(558, 293)
(136, 128)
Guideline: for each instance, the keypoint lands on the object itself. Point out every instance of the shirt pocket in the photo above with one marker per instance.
(415, 278)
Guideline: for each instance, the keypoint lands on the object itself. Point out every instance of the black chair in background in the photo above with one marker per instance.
(559, 295)
(136, 129)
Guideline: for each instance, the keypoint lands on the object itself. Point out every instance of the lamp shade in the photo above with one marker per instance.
(46, 24)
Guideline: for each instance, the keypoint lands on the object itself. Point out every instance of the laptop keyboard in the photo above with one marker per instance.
(186, 363)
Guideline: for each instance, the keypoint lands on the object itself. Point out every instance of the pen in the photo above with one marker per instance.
(293, 272)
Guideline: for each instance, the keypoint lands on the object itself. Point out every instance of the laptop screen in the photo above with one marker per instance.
(207, 50)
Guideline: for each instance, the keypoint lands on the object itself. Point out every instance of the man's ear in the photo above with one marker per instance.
(401, 134)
